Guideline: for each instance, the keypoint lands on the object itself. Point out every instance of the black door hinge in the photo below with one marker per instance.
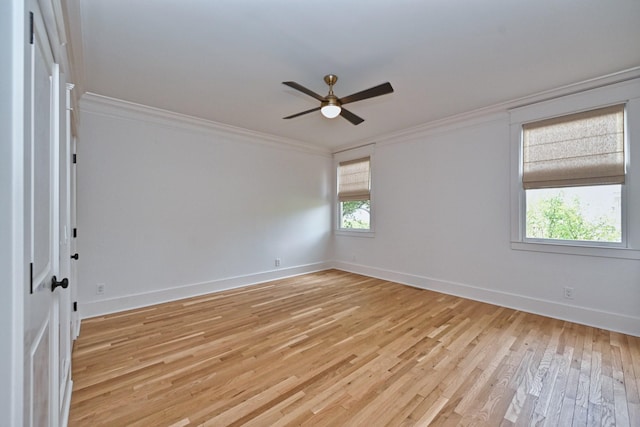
(31, 278)
(75, 159)
(75, 306)
(75, 233)
(31, 27)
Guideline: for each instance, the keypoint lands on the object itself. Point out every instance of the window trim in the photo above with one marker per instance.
(347, 155)
(627, 93)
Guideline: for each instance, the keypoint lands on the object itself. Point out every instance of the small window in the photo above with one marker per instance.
(354, 194)
(573, 172)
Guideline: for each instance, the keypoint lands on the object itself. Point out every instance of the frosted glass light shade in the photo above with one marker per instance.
(330, 111)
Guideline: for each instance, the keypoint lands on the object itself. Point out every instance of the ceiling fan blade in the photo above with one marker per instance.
(303, 89)
(300, 114)
(355, 120)
(382, 89)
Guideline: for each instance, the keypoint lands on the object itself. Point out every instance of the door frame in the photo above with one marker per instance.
(12, 249)
(66, 335)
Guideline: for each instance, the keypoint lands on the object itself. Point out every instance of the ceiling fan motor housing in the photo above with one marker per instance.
(331, 99)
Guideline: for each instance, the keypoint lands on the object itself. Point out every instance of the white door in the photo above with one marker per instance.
(41, 369)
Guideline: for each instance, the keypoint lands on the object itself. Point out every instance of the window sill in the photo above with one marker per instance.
(605, 252)
(355, 233)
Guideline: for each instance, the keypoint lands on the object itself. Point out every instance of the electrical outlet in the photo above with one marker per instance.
(568, 292)
(277, 262)
(100, 289)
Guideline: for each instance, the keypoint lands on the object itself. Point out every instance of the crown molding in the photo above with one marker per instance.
(99, 104)
(112, 107)
(495, 112)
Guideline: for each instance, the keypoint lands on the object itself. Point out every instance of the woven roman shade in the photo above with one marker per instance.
(354, 180)
(579, 149)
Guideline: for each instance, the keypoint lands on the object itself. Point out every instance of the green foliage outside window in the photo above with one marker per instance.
(558, 218)
(356, 214)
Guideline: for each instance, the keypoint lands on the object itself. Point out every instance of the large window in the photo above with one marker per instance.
(573, 169)
(575, 185)
(354, 194)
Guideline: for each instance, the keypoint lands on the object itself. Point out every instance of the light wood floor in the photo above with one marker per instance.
(334, 348)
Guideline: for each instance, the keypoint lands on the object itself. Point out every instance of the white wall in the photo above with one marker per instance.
(443, 222)
(6, 214)
(165, 212)
(168, 210)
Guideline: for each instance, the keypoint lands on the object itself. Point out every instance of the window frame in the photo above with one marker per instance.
(344, 156)
(627, 93)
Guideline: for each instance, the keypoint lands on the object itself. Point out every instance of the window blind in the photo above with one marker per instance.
(579, 149)
(354, 180)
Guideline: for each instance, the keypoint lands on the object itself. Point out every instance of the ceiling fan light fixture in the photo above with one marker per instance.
(331, 108)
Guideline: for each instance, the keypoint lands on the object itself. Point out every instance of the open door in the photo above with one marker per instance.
(42, 232)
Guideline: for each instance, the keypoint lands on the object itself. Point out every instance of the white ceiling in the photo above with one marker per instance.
(224, 60)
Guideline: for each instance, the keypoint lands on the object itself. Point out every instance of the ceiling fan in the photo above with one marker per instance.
(331, 105)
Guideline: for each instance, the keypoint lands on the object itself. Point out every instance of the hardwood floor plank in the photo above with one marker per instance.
(619, 393)
(582, 396)
(336, 348)
(630, 372)
(432, 412)
(571, 391)
(557, 391)
(522, 403)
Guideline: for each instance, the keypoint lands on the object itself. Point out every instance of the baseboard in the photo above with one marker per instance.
(118, 304)
(586, 316)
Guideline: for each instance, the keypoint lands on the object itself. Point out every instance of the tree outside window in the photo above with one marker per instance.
(580, 213)
(355, 214)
